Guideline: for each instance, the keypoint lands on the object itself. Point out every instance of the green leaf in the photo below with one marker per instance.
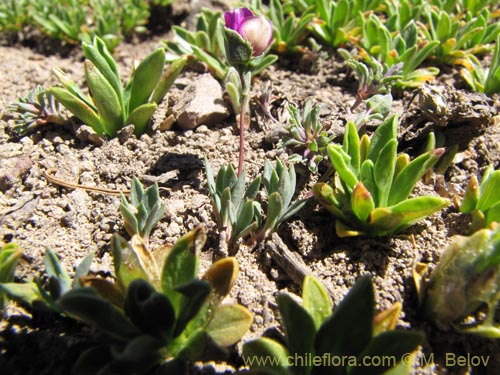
(415, 209)
(351, 146)
(316, 300)
(168, 78)
(139, 355)
(145, 79)
(489, 193)
(493, 214)
(56, 271)
(300, 330)
(368, 179)
(128, 265)
(78, 108)
(405, 181)
(194, 293)
(82, 270)
(266, 356)
(384, 133)
(229, 324)
(9, 258)
(86, 304)
(338, 162)
(245, 217)
(26, 292)
(141, 116)
(105, 99)
(101, 59)
(181, 265)
(349, 329)
(383, 171)
(392, 344)
(274, 207)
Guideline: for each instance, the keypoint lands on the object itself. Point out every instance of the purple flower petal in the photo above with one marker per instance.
(236, 17)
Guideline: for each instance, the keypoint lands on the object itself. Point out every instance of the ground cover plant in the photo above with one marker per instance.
(349, 156)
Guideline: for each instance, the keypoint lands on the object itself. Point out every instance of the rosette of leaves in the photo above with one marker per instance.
(482, 201)
(36, 109)
(307, 136)
(350, 331)
(112, 106)
(45, 292)
(9, 258)
(143, 211)
(459, 37)
(463, 290)
(370, 189)
(157, 323)
(235, 209)
(373, 76)
(280, 184)
(394, 48)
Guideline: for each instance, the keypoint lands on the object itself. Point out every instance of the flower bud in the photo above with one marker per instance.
(256, 30)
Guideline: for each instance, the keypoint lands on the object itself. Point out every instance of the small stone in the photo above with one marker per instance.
(202, 104)
(86, 134)
(12, 170)
(125, 133)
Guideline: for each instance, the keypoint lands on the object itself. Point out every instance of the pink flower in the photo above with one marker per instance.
(257, 30)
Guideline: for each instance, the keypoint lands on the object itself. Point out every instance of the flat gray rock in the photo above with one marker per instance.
(202, 103)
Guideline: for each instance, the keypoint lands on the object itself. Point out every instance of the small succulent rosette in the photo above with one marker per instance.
(247, 36)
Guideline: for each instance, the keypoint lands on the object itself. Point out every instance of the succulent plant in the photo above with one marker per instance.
(482, 201)
(9, 258)
(143, 211)
(280, 185)
(319, 340)
(156, 324)
(463, 290)
(236, 209)
(111, 106)
(36, 109)
(307, 136)
(371, 184)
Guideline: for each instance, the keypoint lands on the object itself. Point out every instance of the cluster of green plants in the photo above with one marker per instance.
(236, 209)
(409, 33)
(76, 21)
(157, 314)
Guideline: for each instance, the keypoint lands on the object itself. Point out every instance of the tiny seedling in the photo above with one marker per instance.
(143, 211)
